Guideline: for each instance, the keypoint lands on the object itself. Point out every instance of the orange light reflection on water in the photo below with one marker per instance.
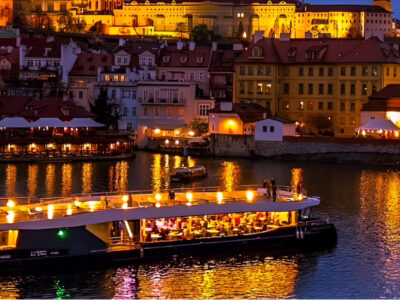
(229, 176)
(87, 177)
(11, 180)
(32, 180)
(50, 179)
(66, 179)
(118, 177)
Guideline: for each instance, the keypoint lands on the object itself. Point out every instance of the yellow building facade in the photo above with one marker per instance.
(314, 82)
(228, 19)
(6, 12)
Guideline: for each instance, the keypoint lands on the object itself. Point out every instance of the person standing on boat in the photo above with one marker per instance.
(273, 189)
(171, 195)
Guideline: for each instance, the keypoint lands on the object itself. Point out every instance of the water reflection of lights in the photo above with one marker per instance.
(379, 195)
(11, 180)
(125, 284)
(50, 179)
(230, 176)
(87, 177)
(66, 180)
(32, 180)
(9, 289)
(156, 175)
(118, 176)
(270, 278)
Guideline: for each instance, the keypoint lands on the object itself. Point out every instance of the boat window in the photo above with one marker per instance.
(8, 239)
(212, 226)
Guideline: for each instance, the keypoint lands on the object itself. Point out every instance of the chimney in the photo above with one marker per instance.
(192, 46)
(258, 35)
(179, 45)
(214, 46)
(226, 106)
(121, 42)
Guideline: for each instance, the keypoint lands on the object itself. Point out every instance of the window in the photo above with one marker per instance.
(286, 105)
(364, 89)
(286, 89)
(144, 111)
(364, 71)
(321, 105)
(250, 87)
(203, 109)
(301, 71)
(257, 52)
(352, 106)
(342, 120)
(353, 71)
(133, 94)
(170, 111)
(352, 120)
(374, 71)
(115, 78)
(330, 105)
(133, 111)
(125, 94)
(271, 128)
(373, 89)
(242, 70)
(201, 76)
(353, 89)
(181, 112)
(321, 89)
(265, 128)
(107, 77)
(125, 111)
(191, 76)
(342, 106)
(301, 89)
(310, 71)
(241, 87)
(259, 88)
(80, 94)
(268, 88)
(157, 111)
(250, 70)
(310, 105)
(321, 71)
(310, 89)
(129, 126)
(330, 71)
(113, 94)
(286, 71)
(330, 89)
(268, 71)
(343, 71)
(260, 70)
(342, 89)
(301, 105)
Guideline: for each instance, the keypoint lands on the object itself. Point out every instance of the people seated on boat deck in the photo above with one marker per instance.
(171, 195)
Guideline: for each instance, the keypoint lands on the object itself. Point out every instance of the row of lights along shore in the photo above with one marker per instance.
(125, 198)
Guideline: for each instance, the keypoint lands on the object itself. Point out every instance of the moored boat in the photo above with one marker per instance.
(109, 228)
(189, 173)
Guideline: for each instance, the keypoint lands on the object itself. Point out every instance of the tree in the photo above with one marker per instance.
(79, 24)
(198, 126)
(201, 34)
(321, 123)
(106, 113)
(65, 22)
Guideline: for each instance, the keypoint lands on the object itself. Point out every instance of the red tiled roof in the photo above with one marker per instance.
(222, 60)
(5, 42)
(390, 91)
(326, 50)
(247, 112)
(12, 57)
(199, 58)
(42, 52)
(87, 64)
(48, 108)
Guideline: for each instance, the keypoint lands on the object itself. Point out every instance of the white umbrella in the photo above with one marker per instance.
(49, 122)
(378, 125)
(83, 122)
(16, 122)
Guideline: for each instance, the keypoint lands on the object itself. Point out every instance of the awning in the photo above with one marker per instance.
(49, 122)
(83, 122)
(378, 125)
(16, 122)
(166, 127)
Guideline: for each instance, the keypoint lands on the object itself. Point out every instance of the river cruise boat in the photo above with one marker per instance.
(109, 228)
(189, 173)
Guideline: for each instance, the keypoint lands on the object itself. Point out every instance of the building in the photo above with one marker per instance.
(231, 19)
(384, 105)
(274, 129)
(6, 12)
(235, 118)
(320, 83)
(186, 62)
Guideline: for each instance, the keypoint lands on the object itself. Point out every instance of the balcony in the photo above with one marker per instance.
(174, 101)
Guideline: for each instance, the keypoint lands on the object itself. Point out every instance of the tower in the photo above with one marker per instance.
(386, 4)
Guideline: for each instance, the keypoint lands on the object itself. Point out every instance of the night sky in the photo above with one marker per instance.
(396, 3)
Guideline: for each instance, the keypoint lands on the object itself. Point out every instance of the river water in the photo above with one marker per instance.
(363, 202)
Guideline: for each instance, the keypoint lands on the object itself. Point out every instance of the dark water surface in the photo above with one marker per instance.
(363, 203)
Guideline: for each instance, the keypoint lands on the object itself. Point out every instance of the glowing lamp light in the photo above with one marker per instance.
(249, 196)
(300, 197)
(157, 131)
(10, 203)
(231, 123)
(50, 212)
(191, 133)
(189, 196)
(125, 205)
(158, 197)
(158, 204)
(10, 216)
(62, 233)
(176, 142)
(396, 134)
(38, 209)
(125, 198)
(219, 197)
(92, 205)
(189, 203)
(77, 203)
(69, 211)
(167, 142)
(244, 35)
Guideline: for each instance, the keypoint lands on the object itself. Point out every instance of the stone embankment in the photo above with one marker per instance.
(309, 149)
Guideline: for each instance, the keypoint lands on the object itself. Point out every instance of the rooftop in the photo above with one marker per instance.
(247, 112)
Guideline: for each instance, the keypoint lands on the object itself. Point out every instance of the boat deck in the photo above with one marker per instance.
(16, 210)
